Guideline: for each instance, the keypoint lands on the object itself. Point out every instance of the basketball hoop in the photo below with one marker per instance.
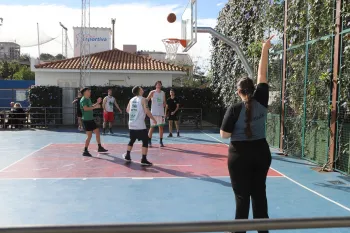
(171, 47)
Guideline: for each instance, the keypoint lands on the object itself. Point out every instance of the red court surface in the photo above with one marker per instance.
(175, 160)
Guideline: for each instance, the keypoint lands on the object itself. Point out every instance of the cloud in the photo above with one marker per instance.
(136, 23)
(220, 4)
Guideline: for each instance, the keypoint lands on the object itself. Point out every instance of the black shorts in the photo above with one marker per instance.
(89, 125)
(173, 117)
(140, 135)
(79, 113)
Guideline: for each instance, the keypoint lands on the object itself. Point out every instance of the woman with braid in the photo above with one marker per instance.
(249, 156)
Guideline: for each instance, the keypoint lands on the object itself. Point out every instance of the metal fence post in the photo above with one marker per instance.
(333, 123)
(284, 75)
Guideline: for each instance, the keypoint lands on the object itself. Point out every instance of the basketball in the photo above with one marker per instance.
(171, 18)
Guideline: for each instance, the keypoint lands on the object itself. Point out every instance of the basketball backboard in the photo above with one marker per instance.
(189, 25)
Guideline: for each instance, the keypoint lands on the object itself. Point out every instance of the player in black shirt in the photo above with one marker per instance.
(172, 106)
(79, 114)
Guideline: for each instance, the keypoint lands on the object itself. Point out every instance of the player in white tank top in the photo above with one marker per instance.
(138, 109)
(136, 114)
(108, 114)
(157, 108)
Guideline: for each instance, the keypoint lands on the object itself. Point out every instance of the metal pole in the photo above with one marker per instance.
(284, 74)
(218, 226)
(113, 26)
(336, 57)
(37, 26)
(233, 44)
(64, 41)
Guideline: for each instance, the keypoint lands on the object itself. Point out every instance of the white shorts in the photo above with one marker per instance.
(160, 121)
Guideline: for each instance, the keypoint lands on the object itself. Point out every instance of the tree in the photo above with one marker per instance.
(24, 58)
(60, 57)
(47, 57)
(244, 22)
(24, 74)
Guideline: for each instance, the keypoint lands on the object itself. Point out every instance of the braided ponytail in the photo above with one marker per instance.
(246, 86)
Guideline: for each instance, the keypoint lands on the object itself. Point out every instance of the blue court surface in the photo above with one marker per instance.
(45, 180)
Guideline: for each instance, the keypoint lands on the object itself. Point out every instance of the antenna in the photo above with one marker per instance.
(64, 41)
(84, 43)
(113, 24)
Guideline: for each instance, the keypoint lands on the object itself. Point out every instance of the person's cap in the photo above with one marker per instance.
(83, 90)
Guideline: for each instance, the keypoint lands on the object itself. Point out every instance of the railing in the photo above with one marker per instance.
(231, 226)
(57, 116)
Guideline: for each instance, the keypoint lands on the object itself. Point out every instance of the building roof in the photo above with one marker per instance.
(113, 60)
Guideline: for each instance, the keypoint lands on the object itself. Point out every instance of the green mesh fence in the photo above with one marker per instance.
(317, 101)
(294, 102)
(342, 157)
(273, 124)
(308, 93)
(308, 80)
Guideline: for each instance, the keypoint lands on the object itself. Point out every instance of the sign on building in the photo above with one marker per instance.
(98, 38)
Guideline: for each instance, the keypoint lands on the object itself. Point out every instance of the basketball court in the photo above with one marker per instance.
(45, 180)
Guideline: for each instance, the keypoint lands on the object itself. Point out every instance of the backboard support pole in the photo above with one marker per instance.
(233, 44)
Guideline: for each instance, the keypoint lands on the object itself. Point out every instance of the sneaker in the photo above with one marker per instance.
(145, 162)
(110, 131)
(161, 144)
(104, 132)
(101, 150)
(127, 157)
(170, 135)
(178, 134)
(87, 154)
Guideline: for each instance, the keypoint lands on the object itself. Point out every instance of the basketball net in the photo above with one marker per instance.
(171, 47)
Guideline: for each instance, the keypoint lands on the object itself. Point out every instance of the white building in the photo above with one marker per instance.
(113, 67)
(99, 39)
(9, 51)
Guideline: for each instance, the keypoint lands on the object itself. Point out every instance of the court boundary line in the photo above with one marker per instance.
(134, 178)
(294, 181)
(24, 157)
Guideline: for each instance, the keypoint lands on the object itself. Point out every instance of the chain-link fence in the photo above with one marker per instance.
(308, 84)
(273, 124)
(342, 157)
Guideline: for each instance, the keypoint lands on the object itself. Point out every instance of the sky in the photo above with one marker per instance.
(140, 22)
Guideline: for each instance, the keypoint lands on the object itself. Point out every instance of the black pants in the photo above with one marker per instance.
(248, 164)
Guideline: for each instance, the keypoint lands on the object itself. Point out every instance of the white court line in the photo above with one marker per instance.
(142, 178)
(106, 178)
(314, 192)
(3, 169)
(295, 182)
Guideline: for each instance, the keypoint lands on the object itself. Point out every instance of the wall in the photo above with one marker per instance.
(14, 91)
(98, 38)
(71, 79)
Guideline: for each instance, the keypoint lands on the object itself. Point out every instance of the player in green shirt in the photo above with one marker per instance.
(90, 126)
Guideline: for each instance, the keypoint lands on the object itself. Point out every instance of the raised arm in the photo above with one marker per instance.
(263, 61)
(94, 106)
